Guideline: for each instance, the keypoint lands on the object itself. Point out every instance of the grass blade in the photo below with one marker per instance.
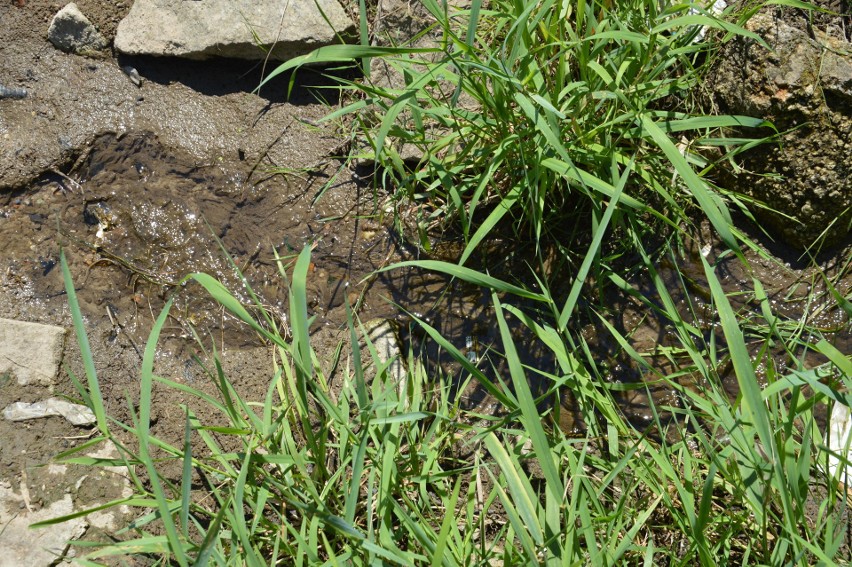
(94, 393)
(468, 275)
(710, 204)
(143, 425)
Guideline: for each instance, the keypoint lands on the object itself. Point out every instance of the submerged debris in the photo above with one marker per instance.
(11, 92)
(75, 413)
(133, 74)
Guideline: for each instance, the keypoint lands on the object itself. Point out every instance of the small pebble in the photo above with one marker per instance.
(352, 298)
(133, 75)
(10, 92)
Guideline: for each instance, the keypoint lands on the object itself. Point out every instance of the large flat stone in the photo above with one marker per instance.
(30, 352)
(199, 29)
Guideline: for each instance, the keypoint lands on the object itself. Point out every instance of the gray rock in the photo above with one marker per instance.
(12, 92)
(75, 413)
(23, 546)
(231, 28)
(71, 31)
(41, 493)
(382, 333)
(804, 86)
(30, 352)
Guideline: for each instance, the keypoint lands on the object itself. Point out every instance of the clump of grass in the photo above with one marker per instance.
(387, 468)
(529, 111)
(727, 479)
(359, 473)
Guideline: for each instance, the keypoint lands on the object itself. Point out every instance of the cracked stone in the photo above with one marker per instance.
(30, 352)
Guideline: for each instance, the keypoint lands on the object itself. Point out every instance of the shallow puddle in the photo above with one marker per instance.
(796, 294)
(136, 218)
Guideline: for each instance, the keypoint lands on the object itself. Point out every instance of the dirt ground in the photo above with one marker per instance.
(140, 184)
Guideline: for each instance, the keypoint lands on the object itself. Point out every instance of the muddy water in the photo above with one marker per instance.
(136, 217)
(795, 290)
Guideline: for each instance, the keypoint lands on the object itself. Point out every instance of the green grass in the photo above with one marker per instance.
(373, 472)
(532, 112)
(530, 117)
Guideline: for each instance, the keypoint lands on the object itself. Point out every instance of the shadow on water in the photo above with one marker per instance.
(465, 317)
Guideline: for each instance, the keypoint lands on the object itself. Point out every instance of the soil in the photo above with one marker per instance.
(144, 185)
